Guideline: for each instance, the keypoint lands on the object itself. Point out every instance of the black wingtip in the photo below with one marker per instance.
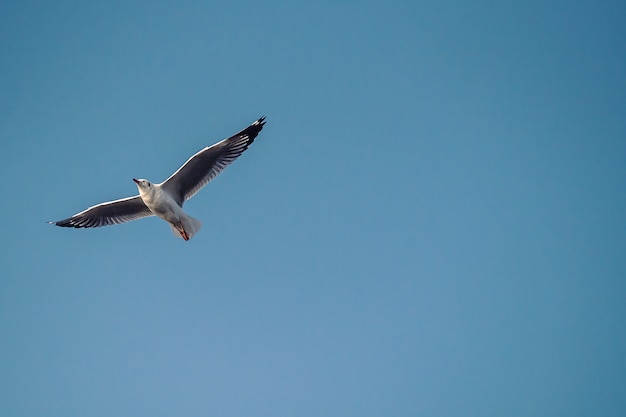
(253, 130)
(69, 222)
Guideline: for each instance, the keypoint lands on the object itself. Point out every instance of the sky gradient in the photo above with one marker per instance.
(432, 222)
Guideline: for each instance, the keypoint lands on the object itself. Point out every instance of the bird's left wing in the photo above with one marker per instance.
(210, 161)
(111, 212)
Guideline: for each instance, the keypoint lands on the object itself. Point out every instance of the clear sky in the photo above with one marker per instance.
(432, 222)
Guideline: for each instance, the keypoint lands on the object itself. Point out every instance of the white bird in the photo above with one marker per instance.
(166, 199)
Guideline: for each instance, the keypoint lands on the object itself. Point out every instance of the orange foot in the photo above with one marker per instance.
(184, 234)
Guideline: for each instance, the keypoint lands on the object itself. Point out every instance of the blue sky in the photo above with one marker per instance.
(432, 222)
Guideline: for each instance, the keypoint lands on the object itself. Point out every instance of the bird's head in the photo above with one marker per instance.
(143, 185)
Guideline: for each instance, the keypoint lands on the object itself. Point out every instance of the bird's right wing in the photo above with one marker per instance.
(210, 161)
(110, 212)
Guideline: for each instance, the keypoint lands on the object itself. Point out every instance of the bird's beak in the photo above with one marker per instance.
(136, 181)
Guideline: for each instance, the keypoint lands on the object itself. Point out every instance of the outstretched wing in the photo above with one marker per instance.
(110, 212)
(210, 161)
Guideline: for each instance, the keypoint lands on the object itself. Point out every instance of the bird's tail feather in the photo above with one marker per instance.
(190, 226)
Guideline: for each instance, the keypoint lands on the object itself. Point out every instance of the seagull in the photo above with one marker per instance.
(165, 200)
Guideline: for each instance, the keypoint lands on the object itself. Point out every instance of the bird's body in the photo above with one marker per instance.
(162, 205)
(165, 200)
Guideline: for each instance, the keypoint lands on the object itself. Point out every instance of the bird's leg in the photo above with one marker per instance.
(183, 233)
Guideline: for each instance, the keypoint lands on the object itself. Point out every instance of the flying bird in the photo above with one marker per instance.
(166, 199)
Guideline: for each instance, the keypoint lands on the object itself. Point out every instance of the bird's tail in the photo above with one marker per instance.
(190, 227)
